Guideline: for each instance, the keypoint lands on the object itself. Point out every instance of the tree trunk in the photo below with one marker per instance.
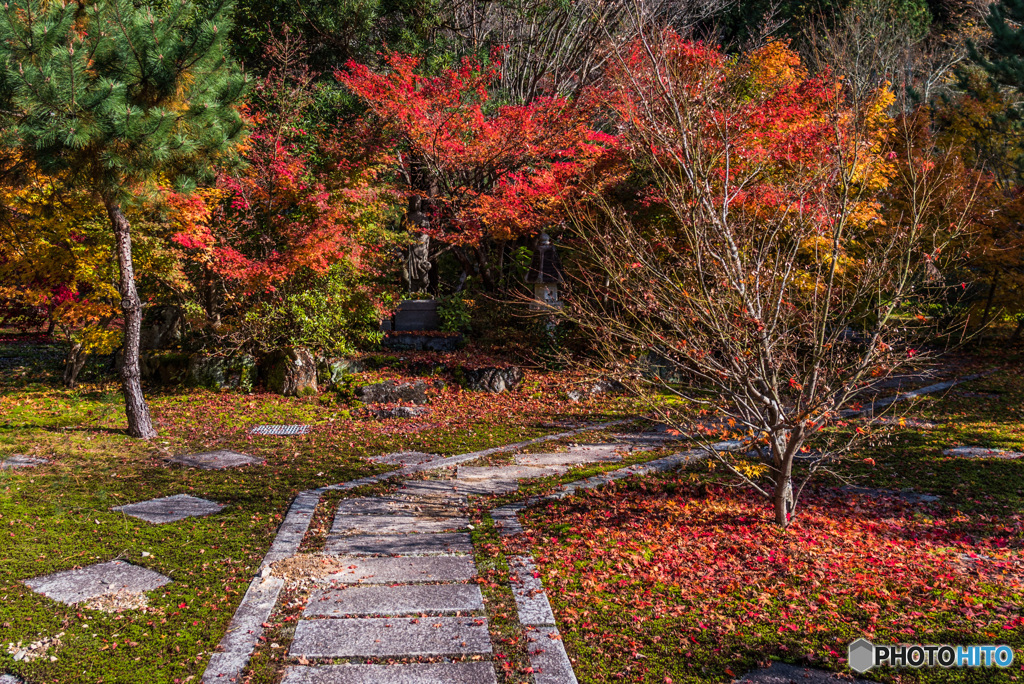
(783, 500)
(1020, 329)
(73, 364)
(139, 423)
(785, 449)
(990, 300)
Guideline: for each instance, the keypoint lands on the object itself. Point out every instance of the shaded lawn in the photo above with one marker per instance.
(56, 517)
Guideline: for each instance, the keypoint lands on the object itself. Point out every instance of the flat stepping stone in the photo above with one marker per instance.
(444, 544)
(279, 430)
(394, 524)
(515, 472)
(21, 461)
(780, 673)
(448, 488)
(402, 600)
(170, 508)
(221, 459)
(74, 586)
(390, 637)
(404, 457)
(576, 455)
(404, 570)
(548, 658)
(379, 505)
(907, 495)
(9, 679)
(981, 452)
(415, 673)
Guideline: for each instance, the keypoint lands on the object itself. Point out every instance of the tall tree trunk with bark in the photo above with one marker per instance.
(139, 423)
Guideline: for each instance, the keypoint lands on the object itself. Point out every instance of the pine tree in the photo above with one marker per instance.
(120, 96)
(1004, 61)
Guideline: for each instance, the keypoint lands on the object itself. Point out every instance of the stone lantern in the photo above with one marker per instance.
(545, 275)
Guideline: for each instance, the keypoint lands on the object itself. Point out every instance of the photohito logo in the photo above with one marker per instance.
(864, 655)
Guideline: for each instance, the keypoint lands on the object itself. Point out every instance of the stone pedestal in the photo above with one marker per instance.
(417, 314)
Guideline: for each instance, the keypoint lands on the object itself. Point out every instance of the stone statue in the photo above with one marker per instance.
(416, 270)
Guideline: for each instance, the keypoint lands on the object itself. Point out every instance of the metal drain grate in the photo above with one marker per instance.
(279, 430)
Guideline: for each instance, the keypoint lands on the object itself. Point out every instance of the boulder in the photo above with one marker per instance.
(399, 412)
(162, 327)
(291, 372)
(391, 392)
(164, 368)
(222, 372)
(494, 380)
(331, 372)
(599, 387)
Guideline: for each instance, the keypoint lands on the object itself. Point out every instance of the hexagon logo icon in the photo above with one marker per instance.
(861, 656)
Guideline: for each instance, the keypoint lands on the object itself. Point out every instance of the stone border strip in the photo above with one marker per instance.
(548, 659)
(913, 394)
(245, 628)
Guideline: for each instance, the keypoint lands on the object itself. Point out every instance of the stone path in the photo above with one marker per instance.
(781, 673)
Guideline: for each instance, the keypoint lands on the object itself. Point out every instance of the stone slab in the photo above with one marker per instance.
(293, 528)
(409, 569)
(981, 452)
(21, 461)
(411, 599)
(907, 495)
(73, 586)
(279, 430)
(443, 544)
(9, 679)
(394, 524)
(414, 673)
(390, 637)
(220, 459)
(396, 505)
(404, 457)
(548, 658)
(170, 508)
(590, 453)
(531, 601)
(448, 488)
(245, 628)
(781, 673)
(515, 472)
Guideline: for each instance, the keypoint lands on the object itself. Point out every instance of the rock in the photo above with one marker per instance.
(599, 387)
(331, 372)
(495, 380)
(21, 461)
(391, 392)
(162, 327)
(399, 412)
(164, 368)
(291, 372)
(222, 372)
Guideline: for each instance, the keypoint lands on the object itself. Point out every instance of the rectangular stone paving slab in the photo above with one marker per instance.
(21, 461)
(456, 488)
(401, 600)
(414, 673)
(588, 453)
(170, 508)
(409, 569)
(216, 460)
(444, 544)
(394, 524)
(517, 472)
(394, 505)
(390, 637)
(404, 457)
(73, 586)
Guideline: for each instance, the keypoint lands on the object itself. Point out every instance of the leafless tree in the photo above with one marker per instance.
(771, 283)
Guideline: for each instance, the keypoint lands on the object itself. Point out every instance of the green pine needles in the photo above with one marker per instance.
(114, 96)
